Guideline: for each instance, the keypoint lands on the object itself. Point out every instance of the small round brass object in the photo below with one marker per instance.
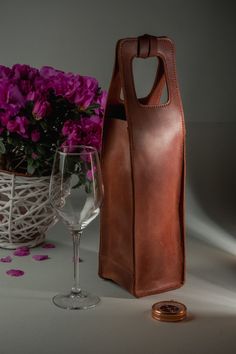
(169, 311)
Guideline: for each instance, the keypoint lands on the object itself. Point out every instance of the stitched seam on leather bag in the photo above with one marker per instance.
(131, 150)
(179, 102)
(102, 153)
(182, 191)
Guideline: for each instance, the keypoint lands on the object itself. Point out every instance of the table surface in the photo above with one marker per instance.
(30, 323)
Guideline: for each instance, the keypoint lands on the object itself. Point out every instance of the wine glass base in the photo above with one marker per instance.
(71, 301)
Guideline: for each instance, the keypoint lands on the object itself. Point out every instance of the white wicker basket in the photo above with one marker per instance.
(25, 212)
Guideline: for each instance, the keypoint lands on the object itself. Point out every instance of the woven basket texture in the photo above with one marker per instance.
(25, 212)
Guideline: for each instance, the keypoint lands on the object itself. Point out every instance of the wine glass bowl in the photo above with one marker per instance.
(76, 193)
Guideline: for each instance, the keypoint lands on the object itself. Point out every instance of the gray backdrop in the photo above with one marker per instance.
(80, 36)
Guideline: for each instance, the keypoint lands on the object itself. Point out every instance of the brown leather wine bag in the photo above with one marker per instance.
(143, 166)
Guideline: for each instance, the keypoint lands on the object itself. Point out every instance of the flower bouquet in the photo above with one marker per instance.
(40, 110)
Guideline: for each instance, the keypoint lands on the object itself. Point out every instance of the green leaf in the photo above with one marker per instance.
(31, 166)
(40, 149)
(30, 161)
(30, 169)
(43, 124)
(28, 150)
(94, 106)
(36, 163)
(2, 147)
(88, 188)
(90, 109)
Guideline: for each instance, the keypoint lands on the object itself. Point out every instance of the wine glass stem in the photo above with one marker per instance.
(76, 244)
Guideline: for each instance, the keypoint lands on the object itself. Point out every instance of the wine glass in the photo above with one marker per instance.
(76, 193)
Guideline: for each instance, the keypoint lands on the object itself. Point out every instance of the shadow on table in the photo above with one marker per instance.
(212, 265)
(211, 183)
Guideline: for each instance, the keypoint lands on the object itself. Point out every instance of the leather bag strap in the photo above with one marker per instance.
(144, 47)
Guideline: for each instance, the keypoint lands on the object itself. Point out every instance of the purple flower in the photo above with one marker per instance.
(9, 110)
(80, 90)
(15, 272)
(67, 127)
(35, 136)
(72, 132)
(41, 109)
(4, 118)
(19, 125)
(86, 131)
(4, 88)
(55, 80)
(4, 72)
(101, 100)
(32, 96)
(21, 252)
(40, 257)
(23, 72)
(6, 259)
(14, 95)
(48, 72)
(26, 91)
(91, 83)
(25, 87)
(84, 100)
(91, 173)
(34, 156)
